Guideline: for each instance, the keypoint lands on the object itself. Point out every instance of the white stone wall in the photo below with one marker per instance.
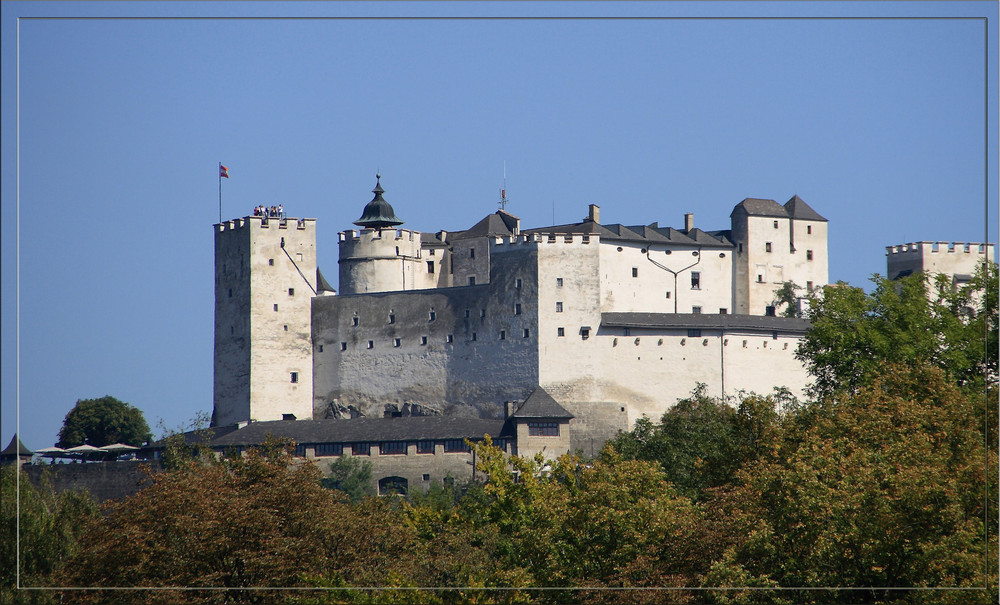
(773, 250)
(637, 278)
(471, 259)
(263, 330)
(381, 260)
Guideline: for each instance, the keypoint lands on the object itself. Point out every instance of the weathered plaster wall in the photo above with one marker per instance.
(470, 358)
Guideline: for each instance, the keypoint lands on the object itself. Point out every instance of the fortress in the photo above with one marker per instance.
(611, 321)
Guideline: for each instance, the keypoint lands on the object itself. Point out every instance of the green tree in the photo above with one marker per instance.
(352, 476)
(883, 488)
(854, 335)
(786, 295)
(50, 527)
(103, 421)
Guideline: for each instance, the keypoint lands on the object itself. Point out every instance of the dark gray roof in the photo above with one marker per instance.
(541, 405)
(765, 323)
(378, 213)
(798, 209)
(499, 223)
(321, 284)
(410, 428)
(15, 447)
(760, 207)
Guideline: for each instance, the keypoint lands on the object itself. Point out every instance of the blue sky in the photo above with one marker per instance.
(879, 123)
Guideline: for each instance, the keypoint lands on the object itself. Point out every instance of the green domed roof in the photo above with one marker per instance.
(378, 213)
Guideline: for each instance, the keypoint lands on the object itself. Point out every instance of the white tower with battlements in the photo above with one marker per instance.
(265, 278)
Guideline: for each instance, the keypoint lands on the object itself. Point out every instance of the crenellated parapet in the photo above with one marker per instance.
(923, 247)
(500, 244)
(260, 222)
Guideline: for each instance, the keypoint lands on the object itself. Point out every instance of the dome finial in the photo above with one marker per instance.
(378, 214)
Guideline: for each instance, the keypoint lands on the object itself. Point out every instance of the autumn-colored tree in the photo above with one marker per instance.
(235, 528)
(886, 488)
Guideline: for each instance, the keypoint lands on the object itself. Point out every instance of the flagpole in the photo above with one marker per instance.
(220, 193)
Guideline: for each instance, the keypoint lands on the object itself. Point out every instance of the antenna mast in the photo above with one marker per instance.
(503, 190)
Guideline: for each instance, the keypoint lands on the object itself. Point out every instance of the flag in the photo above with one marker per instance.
(223, 171)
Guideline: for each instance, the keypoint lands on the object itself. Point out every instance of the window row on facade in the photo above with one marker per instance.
(394, 448)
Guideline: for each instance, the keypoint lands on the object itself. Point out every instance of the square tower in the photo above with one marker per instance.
(776, 243)
(265, 278)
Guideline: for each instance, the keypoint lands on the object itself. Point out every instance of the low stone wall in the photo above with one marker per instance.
(104, 480)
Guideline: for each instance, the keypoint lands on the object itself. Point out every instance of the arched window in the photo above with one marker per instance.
(392, 486)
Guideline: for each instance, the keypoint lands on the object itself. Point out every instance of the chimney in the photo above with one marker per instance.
(688, 221)
(594, 216)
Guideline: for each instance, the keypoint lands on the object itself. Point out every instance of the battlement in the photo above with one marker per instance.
(579, 239)
(920, 248)
(368, 235)
(261, 222)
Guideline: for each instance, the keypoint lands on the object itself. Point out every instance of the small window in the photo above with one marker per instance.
(517, 308)
(468, 313)
(696, 310)
(769, 311)
(455, 445)
(291, 291)
(517, 283)
(295, 377)
(450, 338)
(809, 286)
(526, 333)
(343, 346)
(760, 278)
(559, 282)
(396, 342)
(559, 307)
(809, 229)
(474, 336)
(775, 224)
(298, 255)
(694, 333)
(423, 340)
(584, 333)
(774, 336)
(270, 262)
(767, 246)
(329, 449)
(275, 306)
(230, 293)
(361, 449)
(354, 320)
(543, 429)
(739, 248)
(430, 266)
(635, 271)
(472, 253)
(392, 448)
(432, 251)
(809, 254)
(723, 311)
(668, 294)
(285, 327)
(626, 331)
(472, 280)
(503, 334)
(300, 451)
(427, 476)
(562, 332)
(425, 447)
(482, 313)
(433, 316)
(696, 280)
(392, 319)
(371, 344)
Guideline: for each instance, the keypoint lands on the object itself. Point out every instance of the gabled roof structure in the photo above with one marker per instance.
(794, 208)
(321, 284)
(498, 224)
(15, 448)
(541, 405)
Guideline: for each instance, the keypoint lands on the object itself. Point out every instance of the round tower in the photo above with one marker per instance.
(380, 257)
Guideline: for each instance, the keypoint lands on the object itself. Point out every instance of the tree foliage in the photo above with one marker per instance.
(103, 421)
(786, 295)
(352, 476)
(854, 334)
